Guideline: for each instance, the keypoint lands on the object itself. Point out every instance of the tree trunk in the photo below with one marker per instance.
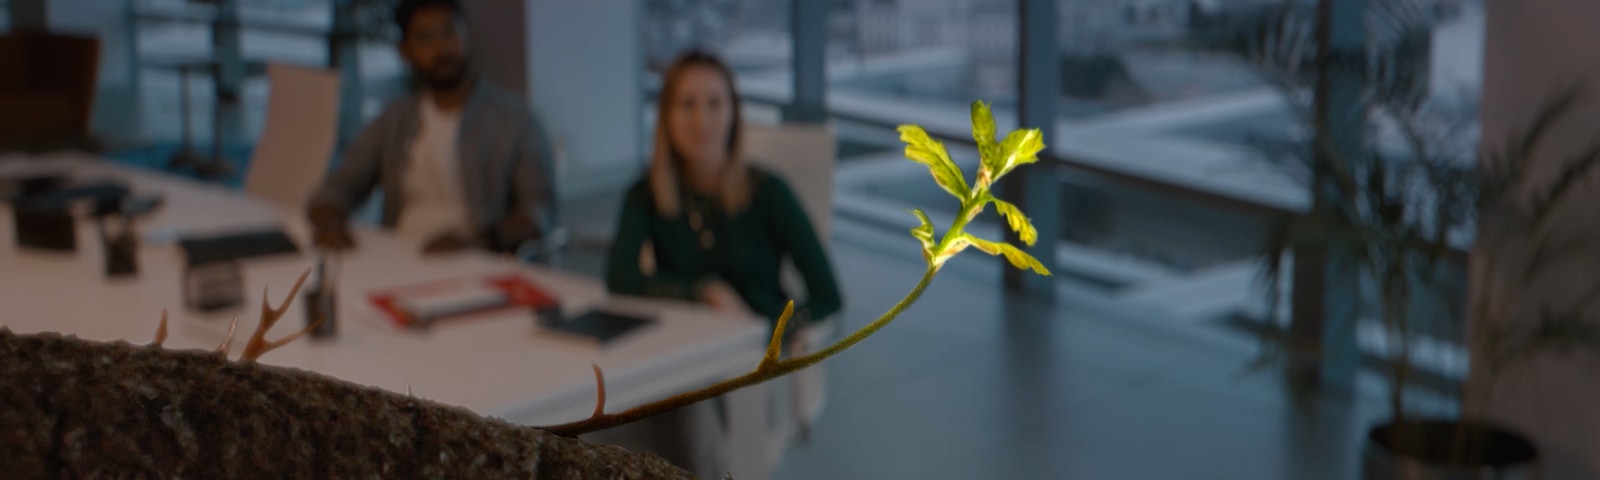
(72, 408)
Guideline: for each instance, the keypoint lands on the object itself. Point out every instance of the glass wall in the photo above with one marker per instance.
(752, 35)
(1162, 107)
(170, 32)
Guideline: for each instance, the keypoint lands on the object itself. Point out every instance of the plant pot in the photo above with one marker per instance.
(1450, 449)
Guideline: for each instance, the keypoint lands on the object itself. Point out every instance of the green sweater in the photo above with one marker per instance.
(746, 250)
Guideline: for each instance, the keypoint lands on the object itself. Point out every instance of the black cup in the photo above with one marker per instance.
(323, 307)
(122, 255)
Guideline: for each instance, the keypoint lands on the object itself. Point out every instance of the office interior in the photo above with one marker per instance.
(1139, 357)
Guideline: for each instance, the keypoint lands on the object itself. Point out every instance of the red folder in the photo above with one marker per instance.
(519, 292)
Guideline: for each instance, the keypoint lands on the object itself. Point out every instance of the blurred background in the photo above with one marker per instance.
(1132, 361)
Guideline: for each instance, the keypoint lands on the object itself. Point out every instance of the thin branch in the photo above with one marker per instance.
(258, 344)
(781, 368)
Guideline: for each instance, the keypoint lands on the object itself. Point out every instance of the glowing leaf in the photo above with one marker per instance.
(1013, 254)
(1021, 147)
(989, 152)
(1019, 222)
(923, 149)
(982, 123)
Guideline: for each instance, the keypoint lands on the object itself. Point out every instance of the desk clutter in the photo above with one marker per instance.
(236, 246)
(420, 307)
(555, 326)
(213, 286)
(46, 209)
(600, 326)
(48, 206)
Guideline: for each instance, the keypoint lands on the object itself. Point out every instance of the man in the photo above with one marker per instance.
(461, 163)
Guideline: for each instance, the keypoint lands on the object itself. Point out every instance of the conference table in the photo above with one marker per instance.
(498, 363)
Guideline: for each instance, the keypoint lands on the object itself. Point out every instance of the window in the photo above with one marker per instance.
(1151, 99)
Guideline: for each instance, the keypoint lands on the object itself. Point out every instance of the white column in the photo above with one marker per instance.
(1532, 49)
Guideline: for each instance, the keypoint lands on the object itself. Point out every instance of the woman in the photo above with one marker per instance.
(720, 228)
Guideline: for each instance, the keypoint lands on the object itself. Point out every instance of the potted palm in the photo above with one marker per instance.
(1401, 222)
(1399, 210)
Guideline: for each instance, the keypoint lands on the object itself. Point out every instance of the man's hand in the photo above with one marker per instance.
(446, 243)
(513, 230)
(723, 298)
(329, 230)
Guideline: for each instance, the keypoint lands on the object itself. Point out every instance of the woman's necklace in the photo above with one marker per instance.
(697, 222)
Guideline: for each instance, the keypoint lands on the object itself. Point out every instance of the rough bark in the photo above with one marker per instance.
(72, 408)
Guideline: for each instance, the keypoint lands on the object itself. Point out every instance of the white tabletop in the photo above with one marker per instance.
(498, 365)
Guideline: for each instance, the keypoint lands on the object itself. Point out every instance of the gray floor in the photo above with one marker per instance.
(968, 384)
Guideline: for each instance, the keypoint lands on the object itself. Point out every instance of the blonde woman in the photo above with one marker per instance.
(720, 228)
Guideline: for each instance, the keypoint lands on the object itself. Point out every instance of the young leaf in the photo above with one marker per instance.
(989, 151)
(992, 248)
(923, 149)
(1021, 147)
(924, 233)
(983, 129)
(1013, 254)
(1021, 259)
(1019, 222)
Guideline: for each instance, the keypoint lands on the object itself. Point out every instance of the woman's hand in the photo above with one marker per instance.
(514, 230)
(446, 243)
(723, 298)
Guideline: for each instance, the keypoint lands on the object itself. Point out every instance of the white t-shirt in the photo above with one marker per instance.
(434, 201)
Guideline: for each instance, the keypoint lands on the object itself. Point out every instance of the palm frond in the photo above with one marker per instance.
(1556, 332)
(1552, 250)
(1503, 170)
(1547, 199)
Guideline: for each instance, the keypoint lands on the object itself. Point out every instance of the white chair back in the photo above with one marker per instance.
(291, 157)
(772, 416)
(804, 155)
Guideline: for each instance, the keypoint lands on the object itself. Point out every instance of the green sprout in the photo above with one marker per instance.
(997, 158)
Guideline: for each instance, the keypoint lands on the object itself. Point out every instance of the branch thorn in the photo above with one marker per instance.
(228, 341)
(775, 347)
(161, 331)
(600, 391)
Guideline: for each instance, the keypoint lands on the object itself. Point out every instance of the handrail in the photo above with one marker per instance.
(167, 14)
(964, 139)
(1459, 253)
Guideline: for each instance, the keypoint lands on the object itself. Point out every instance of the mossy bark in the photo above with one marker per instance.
(71, 408)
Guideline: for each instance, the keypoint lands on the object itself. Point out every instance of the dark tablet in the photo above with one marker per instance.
(237, 246)
(600, 326)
